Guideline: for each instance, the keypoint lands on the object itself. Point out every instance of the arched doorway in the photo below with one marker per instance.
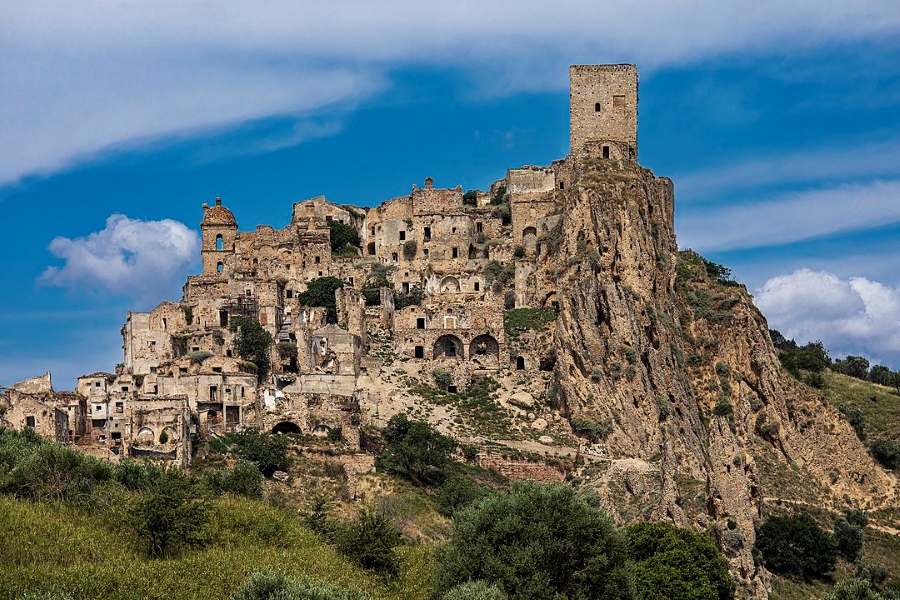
(286, 427)
(520, 363)
(448, 346)
(484, 345)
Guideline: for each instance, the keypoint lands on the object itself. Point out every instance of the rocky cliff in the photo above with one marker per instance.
(669, 367)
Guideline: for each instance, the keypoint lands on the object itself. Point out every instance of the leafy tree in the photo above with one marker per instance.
(536, 543)
(854, 589)
(253, 343)
(470, 198)
(857, 419)
(137, 475)
(171, 515)
(854, 366)
(369, 541)
(880, 375)
(267, 451)
(796, 545)
(342, 236)
(848, 533)
(44, 470)
(415, 449)
(266, 584)
(320, 292)
(671, 562)
(414, 296)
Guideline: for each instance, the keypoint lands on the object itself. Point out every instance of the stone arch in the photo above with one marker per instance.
(145, 435)
(520, 363)
(286, 427)
(529, 239)
(450, 284)
(370, 248)
(551, 300)
(448, 346)
(170, 434)
(321, 430)
(220, 266)
(484, 345)
(220, 242)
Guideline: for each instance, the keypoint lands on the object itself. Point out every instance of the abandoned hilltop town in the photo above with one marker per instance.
(434, 273)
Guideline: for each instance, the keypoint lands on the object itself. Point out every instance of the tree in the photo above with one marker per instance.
(253, 343)
(320, 292)
(342, 236)
(671, 562)
(475, 590)
(173, 514)
(886, 452)
(854, 366)
(415, 449)
(536, 543)
(796, 545)
(854, 589)
(848, 533)
(880, 375)
(267, 451)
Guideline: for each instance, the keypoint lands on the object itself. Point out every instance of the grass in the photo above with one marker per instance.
(879, 405)
(51, 545)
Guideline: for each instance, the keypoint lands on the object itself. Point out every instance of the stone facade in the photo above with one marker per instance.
(603, 108)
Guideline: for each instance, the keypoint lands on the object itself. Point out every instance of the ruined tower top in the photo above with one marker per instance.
(603, 109)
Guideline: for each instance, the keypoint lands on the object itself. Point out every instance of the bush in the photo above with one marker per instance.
(458, 492)
(854, 589)
(677, 563)
(857, 419)
(369, 541)
(49, 471)
(243, 479)
(267, 451)
(172, 515)
(590, 428)
(470, 198)
(723, 408)
(415, 449)
(320, 292)
(252, 343)
(342, 236)
(537, 542)
(266, 584)
(796, 545)
(442, 377)
(886, 452)
(137, 475)
(519, 252)
(475, 590)
(410, 247)
(413, 297)
(198, 356)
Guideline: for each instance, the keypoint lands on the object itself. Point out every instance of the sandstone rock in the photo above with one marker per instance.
(546, 439)
(539, 425)
(522, 400)
(280, 476)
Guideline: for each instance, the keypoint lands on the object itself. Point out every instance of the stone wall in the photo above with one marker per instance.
(603, 104)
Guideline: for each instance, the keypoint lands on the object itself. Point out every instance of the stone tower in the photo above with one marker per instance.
(603, 111)
(218, 230)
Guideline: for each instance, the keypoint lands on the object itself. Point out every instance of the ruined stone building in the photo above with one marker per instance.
(434, 271)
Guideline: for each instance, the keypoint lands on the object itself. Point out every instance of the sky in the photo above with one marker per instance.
(779, 123)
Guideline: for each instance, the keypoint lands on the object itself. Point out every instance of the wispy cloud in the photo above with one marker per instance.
(836, 163)
(791, 217)
(140, 259)
(80, 77)
(851, 316)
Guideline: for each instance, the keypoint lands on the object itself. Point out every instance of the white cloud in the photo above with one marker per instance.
(80, 77)
(851, 316)
(791, 217)
(141, 259)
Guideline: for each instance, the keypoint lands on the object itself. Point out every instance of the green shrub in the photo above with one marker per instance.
(723, 408)
(442, 377)
(49, 471)
(243, 479)
(415, 449)
(135, 475)
(410, 247)
(855, 589)
(796, 545)
(470, 198)
(475, 590)
(267, 451)
(519, 252)
(342, 236)
(198, 356)
(320, 292)
(413, 297)
(171, 515)
(671, 562)
(369, 541)
(591, 428)
(266, 584)
(848, 537)
(537, 542)
(458, 492)
(886, 452)
(252, 343)
(857, 419)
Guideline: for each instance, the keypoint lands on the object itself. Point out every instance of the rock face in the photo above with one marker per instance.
(669, 362)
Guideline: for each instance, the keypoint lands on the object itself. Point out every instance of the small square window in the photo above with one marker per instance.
(394, 256)
(402, 236)
(318, 259)
(420, 323)
(420, 352)
(455, 252)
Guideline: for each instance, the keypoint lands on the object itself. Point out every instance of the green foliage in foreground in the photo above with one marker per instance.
(677, 563)
(415, 450)
(796, 545)
(267, 584)
(537, 542)
(476, 590)
(173, 514)
(47, 546)
(267, 451)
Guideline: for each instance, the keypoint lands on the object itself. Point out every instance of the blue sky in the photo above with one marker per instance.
(778, 122)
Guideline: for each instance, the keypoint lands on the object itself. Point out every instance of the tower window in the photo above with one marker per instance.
(619, 102)
(426, 234)
(220, 243)
(605, 151)
(220, 267)
(597, 107)
(402, 236)
(455, 252)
